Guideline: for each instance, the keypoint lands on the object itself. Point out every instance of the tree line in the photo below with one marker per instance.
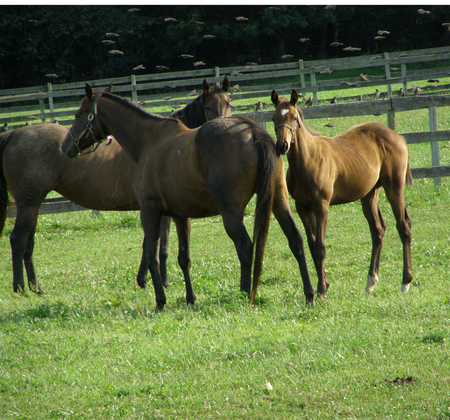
(49, 43)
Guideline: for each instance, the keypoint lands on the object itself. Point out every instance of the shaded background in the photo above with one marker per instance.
(41, 44)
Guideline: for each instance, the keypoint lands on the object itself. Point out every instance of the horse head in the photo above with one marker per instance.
(216, 102)
(87, 129)
(287, 119)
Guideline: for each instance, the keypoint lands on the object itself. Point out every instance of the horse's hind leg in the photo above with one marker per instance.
(184, 260)
(29, 265)
(283, 214)
(372, 213)
(164, 249)
(395, 195)
(22, 244)
(235, 229)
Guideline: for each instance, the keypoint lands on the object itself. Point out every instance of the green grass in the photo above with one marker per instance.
(93, 347)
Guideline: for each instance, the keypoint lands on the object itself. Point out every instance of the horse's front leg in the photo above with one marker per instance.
(282, 212)
(163, 255)
(184, 260)
(150, 220)
(315, 222)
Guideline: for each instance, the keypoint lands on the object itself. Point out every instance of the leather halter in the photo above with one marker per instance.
(87, 131)
(284, 125)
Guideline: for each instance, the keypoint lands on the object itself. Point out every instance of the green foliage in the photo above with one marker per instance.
(67, 40)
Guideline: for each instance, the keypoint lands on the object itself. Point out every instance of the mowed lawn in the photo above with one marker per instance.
(93, 347)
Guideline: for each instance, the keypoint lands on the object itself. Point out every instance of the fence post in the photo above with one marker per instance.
(405, 80)
(391, 118)
(435, 160)
(313, 85)
(50, 101)
(42, 109)
(217, 75)
(301, 66)
(133, 88)
(387, 70)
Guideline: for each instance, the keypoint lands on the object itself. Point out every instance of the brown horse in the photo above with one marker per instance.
(100, 180)
(351, 166)
(184, 173)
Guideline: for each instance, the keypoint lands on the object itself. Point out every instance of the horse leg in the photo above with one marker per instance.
(29, 265)
(150, 220)
(372, 213)
(184, 260)
(235, 229)
(395, 195)
(163, 255)
(315, 223)
(24, 228)
(283, 214)
(141, 278)
(164, 249)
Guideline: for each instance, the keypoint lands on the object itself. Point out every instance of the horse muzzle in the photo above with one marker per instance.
(68, 146)
(282, 147)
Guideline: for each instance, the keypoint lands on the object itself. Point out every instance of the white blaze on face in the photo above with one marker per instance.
(284, 112)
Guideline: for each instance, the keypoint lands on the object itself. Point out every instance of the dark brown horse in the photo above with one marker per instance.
(32, 165)
(351, 166)
(184, 173)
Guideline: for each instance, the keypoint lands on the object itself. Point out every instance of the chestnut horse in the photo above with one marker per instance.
(184, 173)
(351, 166)
(100, 180)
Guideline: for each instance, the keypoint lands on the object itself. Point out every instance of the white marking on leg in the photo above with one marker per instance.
(371, 282)
(405, 288)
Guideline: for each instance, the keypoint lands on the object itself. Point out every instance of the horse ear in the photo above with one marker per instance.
(206, 87)
(226, 84)
(274, 97)
(88, 91)
(294, 97)
(108, 89)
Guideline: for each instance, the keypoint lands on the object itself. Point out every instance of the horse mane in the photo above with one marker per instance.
(309, 130)
(136, 108)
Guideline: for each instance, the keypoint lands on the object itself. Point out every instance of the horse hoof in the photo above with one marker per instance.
(159, 306)
(405, 288)
(310, 302)
(142, 284)
(371, 282)
(191, 301)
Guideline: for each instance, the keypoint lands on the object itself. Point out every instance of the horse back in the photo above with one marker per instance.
(36, 150)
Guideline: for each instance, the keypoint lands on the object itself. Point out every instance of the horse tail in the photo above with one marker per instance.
(265, 190)
(409, 178)
(4, 196)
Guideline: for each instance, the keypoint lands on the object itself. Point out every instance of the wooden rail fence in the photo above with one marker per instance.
(151, 90)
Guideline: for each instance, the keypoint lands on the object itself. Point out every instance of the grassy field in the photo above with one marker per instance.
(93, 347)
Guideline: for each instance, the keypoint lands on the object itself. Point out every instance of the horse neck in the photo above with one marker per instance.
(131, 130)
(306, 149)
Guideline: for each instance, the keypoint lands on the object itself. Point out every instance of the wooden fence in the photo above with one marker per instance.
(47, 103)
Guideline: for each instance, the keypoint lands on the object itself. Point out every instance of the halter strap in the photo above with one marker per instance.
(88, 129)
(284, 125)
